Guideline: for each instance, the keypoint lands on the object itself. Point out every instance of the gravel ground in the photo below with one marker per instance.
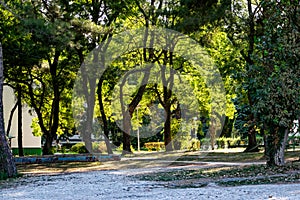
(120, 185)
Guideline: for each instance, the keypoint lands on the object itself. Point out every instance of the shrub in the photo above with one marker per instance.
(234, 141)
(79, 148)
(194, 145)
(222, 142)
(154, 146)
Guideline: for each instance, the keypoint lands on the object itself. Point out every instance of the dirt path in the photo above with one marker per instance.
(118, 179)
(116, 185)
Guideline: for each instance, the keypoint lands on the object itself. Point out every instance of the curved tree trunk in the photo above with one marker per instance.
(103, 117)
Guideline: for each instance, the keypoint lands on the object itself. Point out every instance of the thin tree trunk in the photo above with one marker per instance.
(11, 118)
(167, 129)
(20, 132)
(252, 143)
(103, 116)
(212, 133)
(7, 164)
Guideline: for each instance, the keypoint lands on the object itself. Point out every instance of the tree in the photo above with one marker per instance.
(276, 75)
(7, 165)
(242, 27)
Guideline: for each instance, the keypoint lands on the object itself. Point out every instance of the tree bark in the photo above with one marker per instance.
(10, 119)
(167, 129)
(252, 143)
(48, 144)
(20, 118)
(7, 164)
(54, 118)
(103, 117)
(227, 129)
(276, 147)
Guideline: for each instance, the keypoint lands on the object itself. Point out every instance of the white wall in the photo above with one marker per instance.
(29, 141)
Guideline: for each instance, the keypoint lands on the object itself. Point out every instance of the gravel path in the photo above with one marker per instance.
(118, 185)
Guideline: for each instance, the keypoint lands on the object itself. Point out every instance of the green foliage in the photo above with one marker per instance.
(260, 69)
(79, 148)
(194, 145)
(277, 96)
(154, 146)
(223, 142)
(120, 148)
(3, 175)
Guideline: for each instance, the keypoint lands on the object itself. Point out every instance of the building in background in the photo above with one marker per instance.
(31, 144)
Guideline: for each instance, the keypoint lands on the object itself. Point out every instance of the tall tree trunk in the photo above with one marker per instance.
(252, 143)
(103, 117)
(126, 134)
(10, 119)
(7, 164)
(228, 126)
(54, 118)
(212, 133)
(20, 118)
(48, 143)
(167, 129)
(90, 117)
(276, 147)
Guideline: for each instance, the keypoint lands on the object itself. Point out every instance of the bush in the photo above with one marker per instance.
(234, 141)
(79, 148)
(223, 142)
(194, 145)
(154, 146)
